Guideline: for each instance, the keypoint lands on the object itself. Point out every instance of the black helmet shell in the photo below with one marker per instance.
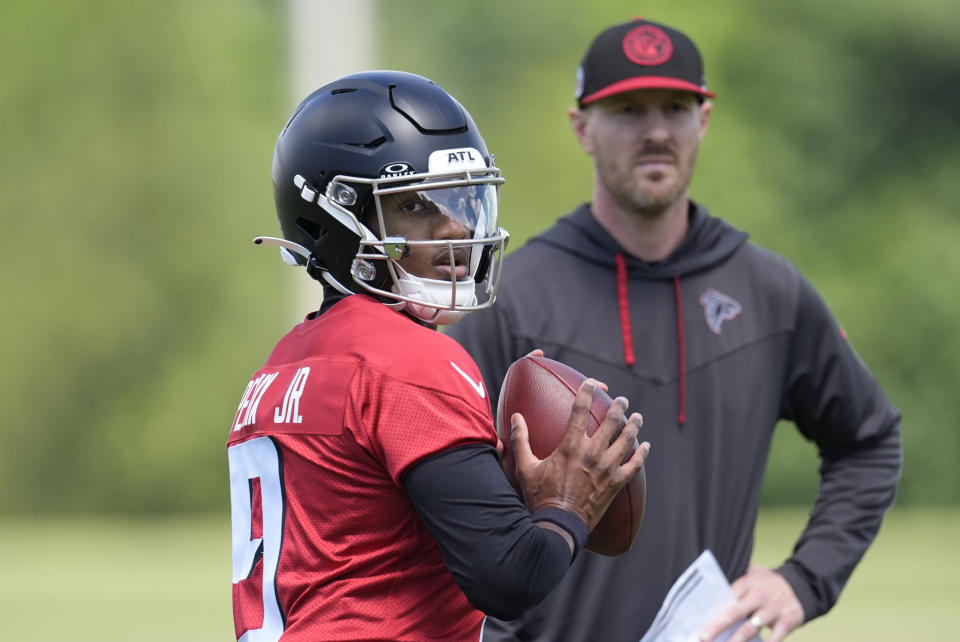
(365, 125)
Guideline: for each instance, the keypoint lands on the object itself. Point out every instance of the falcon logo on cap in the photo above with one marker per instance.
(647, 45)
(640, 54)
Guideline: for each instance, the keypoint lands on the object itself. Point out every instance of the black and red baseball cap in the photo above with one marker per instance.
(640, 54)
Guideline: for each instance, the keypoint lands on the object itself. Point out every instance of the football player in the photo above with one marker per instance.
(366, 493)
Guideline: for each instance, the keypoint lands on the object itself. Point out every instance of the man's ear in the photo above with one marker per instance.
(579, 122)
(705, 110)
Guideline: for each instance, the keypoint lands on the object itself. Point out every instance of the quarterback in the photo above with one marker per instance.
(367, 498)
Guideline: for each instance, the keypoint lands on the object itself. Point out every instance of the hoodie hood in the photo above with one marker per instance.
(709, 240)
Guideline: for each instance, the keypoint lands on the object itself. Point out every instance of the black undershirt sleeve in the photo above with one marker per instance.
(502, 561)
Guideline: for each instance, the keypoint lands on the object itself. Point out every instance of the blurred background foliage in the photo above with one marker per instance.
(134, 171)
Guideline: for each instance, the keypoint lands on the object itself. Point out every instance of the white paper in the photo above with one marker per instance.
(698, 596)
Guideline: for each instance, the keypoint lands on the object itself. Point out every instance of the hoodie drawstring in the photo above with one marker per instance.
(681, 349)
(623, 302)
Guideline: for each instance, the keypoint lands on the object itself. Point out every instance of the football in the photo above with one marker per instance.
(543, 390)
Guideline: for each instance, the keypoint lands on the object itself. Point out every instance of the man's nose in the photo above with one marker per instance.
(655, 128)
(447, 227)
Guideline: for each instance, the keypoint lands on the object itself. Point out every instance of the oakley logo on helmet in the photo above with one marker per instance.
(396, 169)
(717, 308)
(452, 160)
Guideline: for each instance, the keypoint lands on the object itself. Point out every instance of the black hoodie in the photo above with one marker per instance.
(713, 345)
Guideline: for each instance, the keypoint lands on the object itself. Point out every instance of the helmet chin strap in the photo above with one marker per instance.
(434, 293)
(437, 292)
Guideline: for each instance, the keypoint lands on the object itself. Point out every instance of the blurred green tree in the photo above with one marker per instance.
(134, 172)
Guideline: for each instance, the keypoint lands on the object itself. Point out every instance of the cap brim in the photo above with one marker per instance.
(646, 82)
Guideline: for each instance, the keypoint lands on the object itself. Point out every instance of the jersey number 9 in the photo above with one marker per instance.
(253, 461)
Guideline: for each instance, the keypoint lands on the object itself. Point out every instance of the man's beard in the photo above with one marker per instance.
(636, 195)
(650, 203)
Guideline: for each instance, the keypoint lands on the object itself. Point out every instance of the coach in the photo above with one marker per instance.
(715, 338)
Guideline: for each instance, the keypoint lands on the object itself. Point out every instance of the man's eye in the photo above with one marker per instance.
(680, 107)
(413, 207)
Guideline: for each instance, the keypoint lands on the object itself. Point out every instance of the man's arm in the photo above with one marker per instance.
(836, 402)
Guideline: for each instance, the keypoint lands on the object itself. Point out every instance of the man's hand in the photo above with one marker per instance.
(536, 352)
(765, 600)
(584, 473)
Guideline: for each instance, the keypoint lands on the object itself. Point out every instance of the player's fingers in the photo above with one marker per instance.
(623, 443)
(580, 414)
(520, 443)
(536, 352)
(613, 425)
(633, 465)
(628, 434)
(638, 456)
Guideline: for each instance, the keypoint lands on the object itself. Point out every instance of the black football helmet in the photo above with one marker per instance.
(359, 145)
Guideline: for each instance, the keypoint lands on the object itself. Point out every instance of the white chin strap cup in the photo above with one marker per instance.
(437, 292)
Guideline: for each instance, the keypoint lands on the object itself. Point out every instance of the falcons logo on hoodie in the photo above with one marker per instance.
(717, 308)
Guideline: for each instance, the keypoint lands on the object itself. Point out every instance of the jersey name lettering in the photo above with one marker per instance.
(247, 412)
(290, 413)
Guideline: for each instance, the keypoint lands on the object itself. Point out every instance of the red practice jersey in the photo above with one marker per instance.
(326, 543)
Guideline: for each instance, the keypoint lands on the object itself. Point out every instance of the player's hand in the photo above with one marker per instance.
(763, 597)
(536, 352)
(584, 473)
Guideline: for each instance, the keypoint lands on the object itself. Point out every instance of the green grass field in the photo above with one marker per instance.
(113, 580)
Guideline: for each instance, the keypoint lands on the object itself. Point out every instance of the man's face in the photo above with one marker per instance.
(644, 144)
(417, 217)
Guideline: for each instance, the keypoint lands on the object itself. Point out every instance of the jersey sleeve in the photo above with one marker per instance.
(486, 335)
(403, 421)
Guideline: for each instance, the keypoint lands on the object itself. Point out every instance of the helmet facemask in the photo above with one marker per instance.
(437, 237)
